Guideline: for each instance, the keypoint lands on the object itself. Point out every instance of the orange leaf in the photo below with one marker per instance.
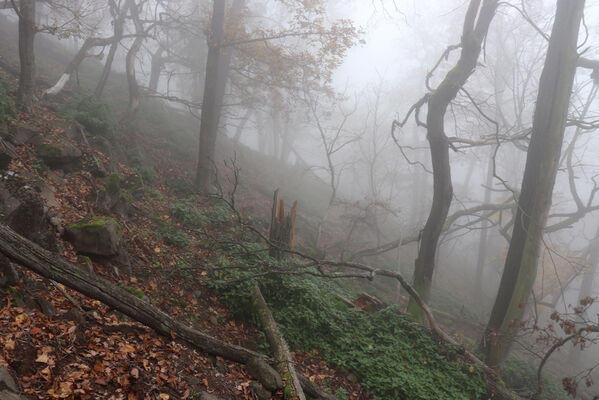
(99, 367)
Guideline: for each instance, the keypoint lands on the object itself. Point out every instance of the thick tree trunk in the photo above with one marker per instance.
(217, 72)
(284, 362)
(53, 267)
(27, 31)
(476, 25)
(539, 178)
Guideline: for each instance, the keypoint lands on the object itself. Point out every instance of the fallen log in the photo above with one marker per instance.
(51, 266)
(284, 362)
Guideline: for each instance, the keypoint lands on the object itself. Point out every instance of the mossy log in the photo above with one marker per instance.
(51, 266)
(284, 362)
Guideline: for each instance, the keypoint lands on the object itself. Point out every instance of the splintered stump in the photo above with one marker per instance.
(282, 227)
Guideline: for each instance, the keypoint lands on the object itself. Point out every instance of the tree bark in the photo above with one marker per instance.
(75, 62)
(217, 72)
(284, 362)
(156, 69)
(484, 234)
(131, 57)
(476, 25)
(52, 266)
(27, 31)
(119, 24)
(539, 178)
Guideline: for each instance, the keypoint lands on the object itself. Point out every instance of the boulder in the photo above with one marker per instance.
(259, 392)
(208, 396)
(22, 209)
(98, 236)
(6, 381)
(21, 134)
(7, 154)
(265, 374)
(63, 155)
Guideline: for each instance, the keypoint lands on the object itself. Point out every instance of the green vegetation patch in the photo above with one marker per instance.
(392, 357)
(7, 104)
(94, 114)
(190, 216)
(94, 222)
(521, 376)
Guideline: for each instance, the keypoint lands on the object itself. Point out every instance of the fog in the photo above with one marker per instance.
(343, 108)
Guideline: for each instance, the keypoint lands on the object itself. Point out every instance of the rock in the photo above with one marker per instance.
(21, 134)
(75, 131)
(45, 306)
(73, 315)
(8, 395)
(98, 236)
(259, 392)
(97, 168)
(265, 374)
(221, 367)
(47, 193)
(63, 155)
(208, 396)
(6, 381)
(10, 276)
(23, 209)
(7, 154)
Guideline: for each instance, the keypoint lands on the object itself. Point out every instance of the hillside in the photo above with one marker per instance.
(115, 198)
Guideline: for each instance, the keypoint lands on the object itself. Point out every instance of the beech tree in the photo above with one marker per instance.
(476, 25)
(534, 202)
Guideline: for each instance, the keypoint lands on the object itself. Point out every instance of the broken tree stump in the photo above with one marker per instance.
(282, 227)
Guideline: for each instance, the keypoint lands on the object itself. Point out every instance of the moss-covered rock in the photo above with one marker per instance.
(99, 236)
(59, 155)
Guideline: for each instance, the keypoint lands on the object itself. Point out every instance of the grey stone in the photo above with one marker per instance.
(265, 374)
(7, 395)
(21, 134)
(259, 392)
(7, 154)
(100, 237)
(62, 155)
(45, 306)
(7, 381)
(73, 315)
(208, 396)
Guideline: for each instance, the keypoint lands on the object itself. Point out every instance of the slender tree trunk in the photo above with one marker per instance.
(539, 178)
(27, 31)
(75, 63)
(130, 60)
(114, 46)
(157, 64)
(239, 130)
(217, 71)
(473, 35)
(484, 234)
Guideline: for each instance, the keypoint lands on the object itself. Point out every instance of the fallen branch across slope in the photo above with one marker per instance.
(52, 266)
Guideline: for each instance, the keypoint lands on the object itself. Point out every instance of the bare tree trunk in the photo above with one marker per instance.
(157, 64)
(75, 62)
(27, 31)
(539, 178)
(119, 23)
(239, 130)
(217, 72)
(484, 234)
(130, 60)
(473, 35)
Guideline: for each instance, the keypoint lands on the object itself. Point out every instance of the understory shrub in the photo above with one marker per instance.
(521, 376)
(94, 114)
(392, 357)
(7, 104)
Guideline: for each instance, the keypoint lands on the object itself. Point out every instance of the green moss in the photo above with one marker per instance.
(7, 105)
(113, 183)
(94, 222)
(49, 150)
(135, 292)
